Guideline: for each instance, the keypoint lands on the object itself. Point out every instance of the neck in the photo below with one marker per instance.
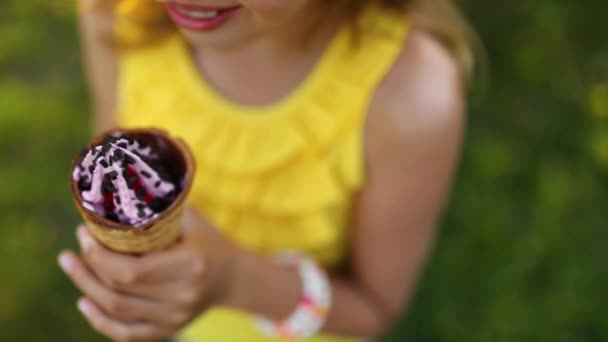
(266, 69)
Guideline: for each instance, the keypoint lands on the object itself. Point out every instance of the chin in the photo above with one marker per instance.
(224, 39)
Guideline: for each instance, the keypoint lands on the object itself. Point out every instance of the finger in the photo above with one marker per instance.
(111, 267)
(122, 271)
(118, 330)
(131, 275)
(165, 293)
(116, 305)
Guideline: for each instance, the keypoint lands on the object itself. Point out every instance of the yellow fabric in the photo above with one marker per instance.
(273, 178)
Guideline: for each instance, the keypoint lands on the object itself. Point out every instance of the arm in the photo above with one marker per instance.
(413, 137)
(99, 61)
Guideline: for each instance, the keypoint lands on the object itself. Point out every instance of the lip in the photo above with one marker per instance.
(199, 24)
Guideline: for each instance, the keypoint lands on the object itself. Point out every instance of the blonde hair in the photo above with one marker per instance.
(440, 18)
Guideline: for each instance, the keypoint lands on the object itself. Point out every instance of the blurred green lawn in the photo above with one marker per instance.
(523, 250)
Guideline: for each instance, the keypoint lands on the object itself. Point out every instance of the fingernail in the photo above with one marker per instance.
(85, 307)
(66, 262)
(86, 241)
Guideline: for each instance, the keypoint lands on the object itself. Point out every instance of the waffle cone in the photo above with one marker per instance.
(164, 230)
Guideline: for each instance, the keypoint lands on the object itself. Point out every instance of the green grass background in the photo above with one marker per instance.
(523, 251)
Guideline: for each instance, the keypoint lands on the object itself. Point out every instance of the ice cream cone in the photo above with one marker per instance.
(163, 230)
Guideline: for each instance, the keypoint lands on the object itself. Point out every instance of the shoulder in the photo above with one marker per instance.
(421, 101)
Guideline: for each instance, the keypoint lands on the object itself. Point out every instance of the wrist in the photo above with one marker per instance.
(235, 292)
(260, 286)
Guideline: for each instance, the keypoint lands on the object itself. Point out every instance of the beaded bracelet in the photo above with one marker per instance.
(313, 306)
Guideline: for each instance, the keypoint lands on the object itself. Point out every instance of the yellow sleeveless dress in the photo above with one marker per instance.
(274, 178)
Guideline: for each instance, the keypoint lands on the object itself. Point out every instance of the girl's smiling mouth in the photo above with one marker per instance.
(200, 18)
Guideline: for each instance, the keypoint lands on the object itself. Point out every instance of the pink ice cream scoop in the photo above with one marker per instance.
(123, 180)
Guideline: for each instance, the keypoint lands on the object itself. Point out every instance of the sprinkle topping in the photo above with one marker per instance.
(132, 187)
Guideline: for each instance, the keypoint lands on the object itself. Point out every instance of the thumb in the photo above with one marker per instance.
(196, 226)
(191, 220)
(194, 223)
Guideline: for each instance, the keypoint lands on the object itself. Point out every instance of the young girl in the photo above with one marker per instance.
(328, 128)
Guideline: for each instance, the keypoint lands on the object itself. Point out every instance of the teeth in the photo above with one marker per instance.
(199, 14)
(203, 15)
